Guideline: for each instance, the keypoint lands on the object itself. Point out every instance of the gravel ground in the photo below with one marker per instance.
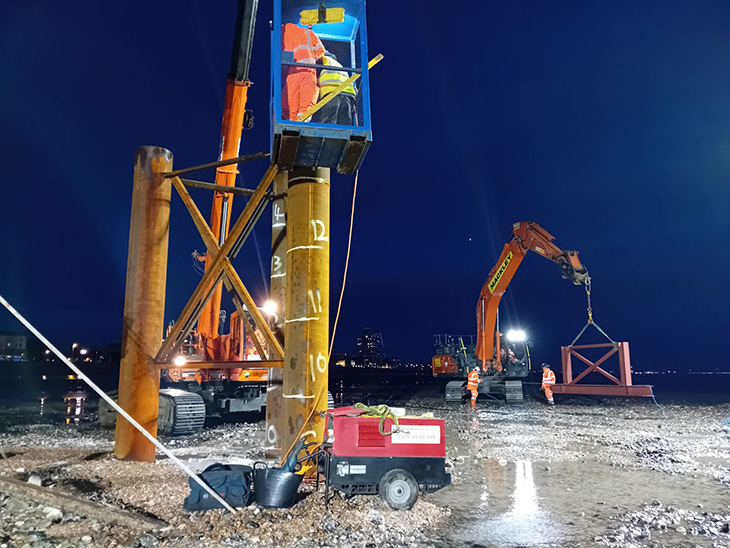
(611, 473)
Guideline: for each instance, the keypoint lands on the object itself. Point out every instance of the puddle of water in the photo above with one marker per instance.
(525, 520)
(73, 408)
(526, 504)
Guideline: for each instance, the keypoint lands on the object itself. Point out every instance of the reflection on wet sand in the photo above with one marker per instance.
(526, 522)
(509, 510)
(75, 406)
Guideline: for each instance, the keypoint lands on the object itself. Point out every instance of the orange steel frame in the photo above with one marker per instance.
(619, 387)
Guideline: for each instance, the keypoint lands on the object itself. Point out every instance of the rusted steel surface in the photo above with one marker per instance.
(306, 335)
(144, 303)
(214, 274)
(231, 275)
(620, 386)
(277, 294)
(604, 390)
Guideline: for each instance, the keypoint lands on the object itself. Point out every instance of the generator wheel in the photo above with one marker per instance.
(398, 489)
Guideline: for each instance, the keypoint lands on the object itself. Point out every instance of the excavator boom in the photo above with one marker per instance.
(526, 237)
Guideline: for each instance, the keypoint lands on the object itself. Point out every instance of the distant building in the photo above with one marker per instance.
(13, 348)
(371, 348)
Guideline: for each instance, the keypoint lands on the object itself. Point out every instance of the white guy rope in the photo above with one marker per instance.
(119, 410)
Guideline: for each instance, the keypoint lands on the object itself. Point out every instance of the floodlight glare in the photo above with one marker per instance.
(180, 361)
(269, 307)
(516, 335)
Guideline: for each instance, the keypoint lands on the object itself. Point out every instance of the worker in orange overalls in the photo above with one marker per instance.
(472, 385)
(548, 380)
(300, 91)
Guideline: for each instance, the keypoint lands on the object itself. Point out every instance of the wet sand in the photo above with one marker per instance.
(611, 473)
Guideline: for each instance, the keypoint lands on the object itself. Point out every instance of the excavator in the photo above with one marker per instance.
(502, 366)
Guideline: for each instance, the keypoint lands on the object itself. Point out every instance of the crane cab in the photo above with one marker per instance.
(338, 135)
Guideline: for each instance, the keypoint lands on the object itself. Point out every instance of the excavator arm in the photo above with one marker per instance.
(526, 237)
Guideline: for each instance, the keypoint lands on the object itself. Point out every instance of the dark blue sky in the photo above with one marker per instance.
(608, 123)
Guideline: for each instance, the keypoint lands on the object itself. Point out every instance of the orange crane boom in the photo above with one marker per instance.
(527, 237)
(234, 121)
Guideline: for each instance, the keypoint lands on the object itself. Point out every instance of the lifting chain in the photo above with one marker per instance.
(590, 318)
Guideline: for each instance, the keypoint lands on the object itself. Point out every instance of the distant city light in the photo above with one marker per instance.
(180, 361)
(516, 335)
(83, 351)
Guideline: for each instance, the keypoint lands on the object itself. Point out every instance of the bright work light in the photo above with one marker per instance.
(269, 308)
(516, 335)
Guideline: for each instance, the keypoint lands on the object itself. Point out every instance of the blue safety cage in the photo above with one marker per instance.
(340, 27)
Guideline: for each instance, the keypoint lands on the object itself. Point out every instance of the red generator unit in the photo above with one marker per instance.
(357, 459)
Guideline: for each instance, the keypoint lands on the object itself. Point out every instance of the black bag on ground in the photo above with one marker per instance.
(231, 481)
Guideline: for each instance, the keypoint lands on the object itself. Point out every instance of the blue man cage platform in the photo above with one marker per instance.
(340, 27)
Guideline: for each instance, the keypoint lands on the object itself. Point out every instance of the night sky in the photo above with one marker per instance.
(608, 123)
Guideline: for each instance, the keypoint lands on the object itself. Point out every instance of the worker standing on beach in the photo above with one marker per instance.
(548, 380)
(472, 385)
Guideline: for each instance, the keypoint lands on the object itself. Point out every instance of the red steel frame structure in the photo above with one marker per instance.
(620, 387)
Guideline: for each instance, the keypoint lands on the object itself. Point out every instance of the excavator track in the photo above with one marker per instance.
(455, 391)
(181, 413)
(513, 392)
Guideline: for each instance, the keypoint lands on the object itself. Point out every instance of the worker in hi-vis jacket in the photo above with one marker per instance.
(472, 385)
(548, 380)
(341, 108)
(300, 91)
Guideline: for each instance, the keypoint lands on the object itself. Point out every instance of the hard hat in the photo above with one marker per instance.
(546, 365)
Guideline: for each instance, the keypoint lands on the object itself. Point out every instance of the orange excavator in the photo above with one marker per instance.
(501, 366)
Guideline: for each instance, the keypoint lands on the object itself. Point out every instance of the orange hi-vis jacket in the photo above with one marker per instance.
(303, 43)
(472, 381)
(548, 377)
(300, 91)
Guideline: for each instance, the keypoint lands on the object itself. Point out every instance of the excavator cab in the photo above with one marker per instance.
(315, 47)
